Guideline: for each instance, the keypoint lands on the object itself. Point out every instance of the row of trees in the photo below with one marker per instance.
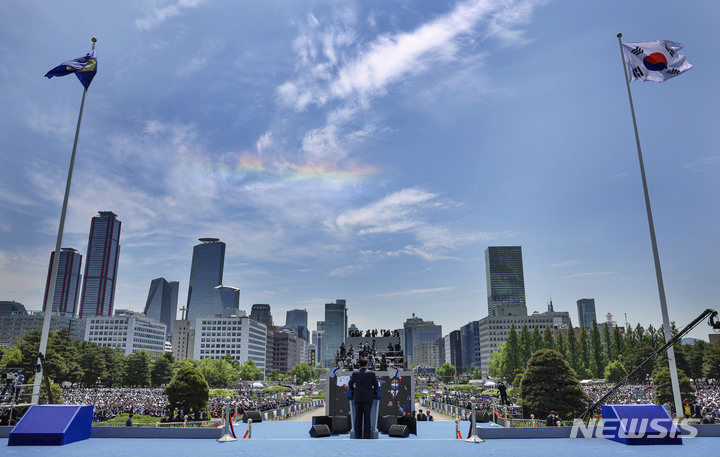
(90, 364)
(608, 354)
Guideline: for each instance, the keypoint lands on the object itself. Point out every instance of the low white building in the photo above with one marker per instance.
(128, 331)
(241, 337)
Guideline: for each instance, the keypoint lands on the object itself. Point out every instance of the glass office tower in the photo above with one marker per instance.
(206, 273)
(335, 330)
(586, 312)
(67, 284)
(505, 281)
(101, 264)
(260, 312)
(161, 304)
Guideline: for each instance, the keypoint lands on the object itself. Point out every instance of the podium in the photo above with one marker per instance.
(373, 419)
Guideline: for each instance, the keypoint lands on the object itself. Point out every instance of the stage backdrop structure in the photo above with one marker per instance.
(639, 424)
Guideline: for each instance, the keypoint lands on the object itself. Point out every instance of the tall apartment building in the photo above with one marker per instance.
(101, 265)
(67, 284)
(505, 281)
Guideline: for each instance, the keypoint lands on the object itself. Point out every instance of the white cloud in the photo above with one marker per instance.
(415, 292)
(159, 14)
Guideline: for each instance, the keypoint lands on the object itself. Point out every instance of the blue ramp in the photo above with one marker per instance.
(52, 425)
(639, 424)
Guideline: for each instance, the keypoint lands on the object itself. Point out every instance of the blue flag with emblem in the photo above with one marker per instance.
(84, 68)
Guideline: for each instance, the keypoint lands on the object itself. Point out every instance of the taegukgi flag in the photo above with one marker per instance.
(84, 68)
(655, 61)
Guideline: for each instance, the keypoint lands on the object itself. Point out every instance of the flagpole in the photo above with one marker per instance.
(47, 306)
(679, 412)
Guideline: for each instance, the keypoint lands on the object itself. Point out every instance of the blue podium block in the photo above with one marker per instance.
(639, 424)
(52, 425)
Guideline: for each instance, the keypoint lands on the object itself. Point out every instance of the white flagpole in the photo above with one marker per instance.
(658, 272)
(47, 306)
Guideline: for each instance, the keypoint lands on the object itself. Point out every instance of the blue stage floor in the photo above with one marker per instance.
(277, 439)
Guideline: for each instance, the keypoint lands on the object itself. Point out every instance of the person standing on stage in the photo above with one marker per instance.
(363, 390)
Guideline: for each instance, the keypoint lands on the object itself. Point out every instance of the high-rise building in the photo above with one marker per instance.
(586, 312)
(229, 297)
(161, 304)
(336, 323)
(206, 273)
(453, 349)
(183, 340)
(261, 313)
(470, 346)
(505, 281)
(101, 264)
(67, 284)
(296, 320)
(420, 337)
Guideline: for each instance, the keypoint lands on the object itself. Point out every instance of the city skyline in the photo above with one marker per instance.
(368, 150)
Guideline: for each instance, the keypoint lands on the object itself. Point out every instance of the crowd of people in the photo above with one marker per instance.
(347, 357)
(110, 402)
(356, 333)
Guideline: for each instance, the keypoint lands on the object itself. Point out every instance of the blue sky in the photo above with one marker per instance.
(367, 150)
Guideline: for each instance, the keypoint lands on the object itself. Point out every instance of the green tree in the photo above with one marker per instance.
(663, 387)
(302, 372)
(617, 341)
(188, 389)
(512, 355)
(137, 369)
(560, 344)
(548, 342)
(162, 371)
(632, 359)
(273, 376)
(608, 343)
(525, 346)
(11, 356)
(250, 372)
(232, 361)
(549, 384)
(614, 372)
(597, 358)
(536, 340)
(218, 372)
(114, 366)
(496, 367)
(573, 353)
(476, 373)
(92, 362)
(446, 372)
(711, 361)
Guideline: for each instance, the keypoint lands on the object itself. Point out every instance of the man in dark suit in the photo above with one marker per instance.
(363, 390)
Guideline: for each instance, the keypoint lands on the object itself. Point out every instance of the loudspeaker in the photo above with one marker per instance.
(385, 422)
(410, 422)
(48, 425)
(256, 416)
(399, 431)
(319, 420)
(340, 424)
(319, 431)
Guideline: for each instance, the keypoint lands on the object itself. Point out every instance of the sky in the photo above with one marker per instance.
(368, 151)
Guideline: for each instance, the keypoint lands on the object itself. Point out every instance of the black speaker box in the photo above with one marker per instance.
(256, 416)
(410, 422)
(340, 424)
(385, 422)
(320, 431)
(319, 420)
(399, 431)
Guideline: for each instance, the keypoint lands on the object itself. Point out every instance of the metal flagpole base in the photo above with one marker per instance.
(226, 438)
(474, 438)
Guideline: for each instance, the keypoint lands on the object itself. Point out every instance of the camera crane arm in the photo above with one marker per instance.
(711, 313)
